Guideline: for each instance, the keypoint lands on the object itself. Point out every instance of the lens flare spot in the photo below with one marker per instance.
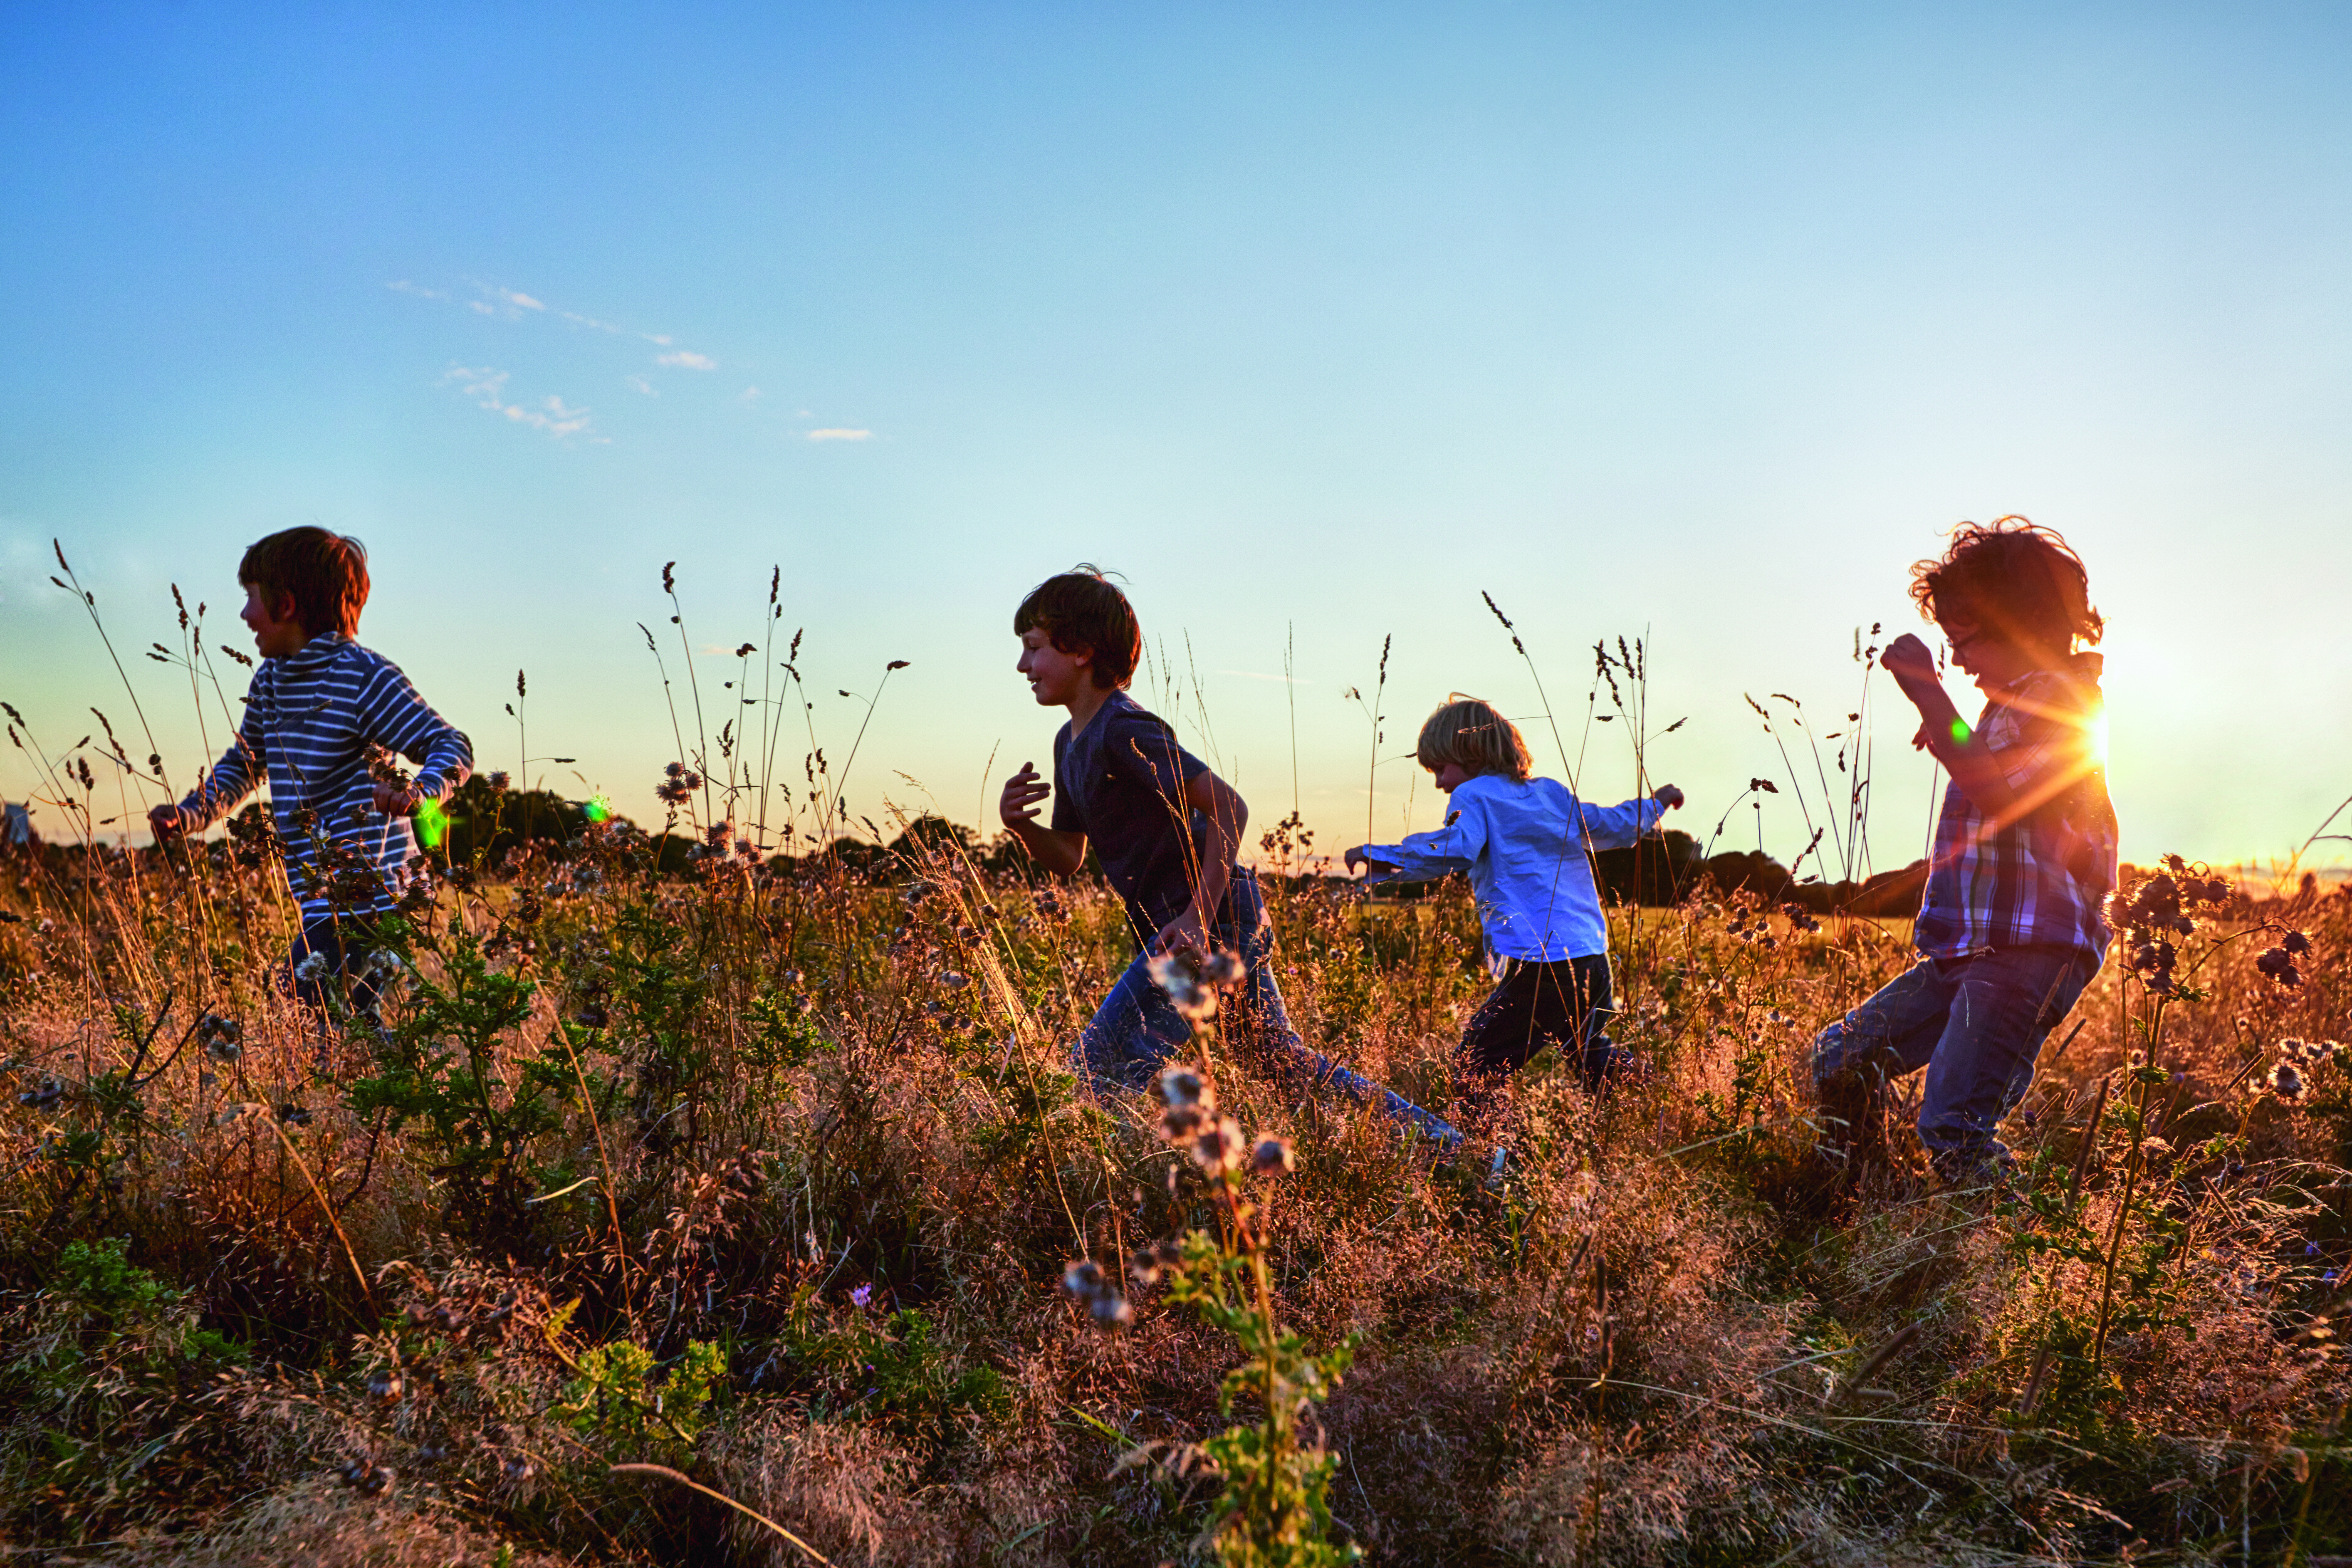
(1960, 731)
(596, 809)
(2096, 731)
(432, 823)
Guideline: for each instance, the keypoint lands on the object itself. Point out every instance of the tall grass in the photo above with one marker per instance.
(765, 1173)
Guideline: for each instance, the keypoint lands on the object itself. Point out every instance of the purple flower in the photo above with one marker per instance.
(862, 1295)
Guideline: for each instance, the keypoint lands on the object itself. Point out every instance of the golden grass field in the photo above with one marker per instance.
(769, 1175)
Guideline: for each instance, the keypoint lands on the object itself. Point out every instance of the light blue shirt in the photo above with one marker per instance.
(1524, 846)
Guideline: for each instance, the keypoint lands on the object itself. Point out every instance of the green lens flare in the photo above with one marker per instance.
(1960, 731)
(598, 808)
(432, 823)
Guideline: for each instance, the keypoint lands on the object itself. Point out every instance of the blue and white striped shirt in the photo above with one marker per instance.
(312, 720)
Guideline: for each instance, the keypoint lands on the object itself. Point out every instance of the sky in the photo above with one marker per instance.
(1696, 324)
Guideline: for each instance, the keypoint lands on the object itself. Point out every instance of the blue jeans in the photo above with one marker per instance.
(1137, 1030)
(1976, 1023)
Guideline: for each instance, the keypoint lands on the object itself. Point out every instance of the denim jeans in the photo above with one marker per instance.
(1976, 1023)
(1137, 1030)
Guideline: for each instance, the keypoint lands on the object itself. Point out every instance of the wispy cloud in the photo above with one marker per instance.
(577, 320)
(748, 397)
(662, 338)
(639, 384)
(686, 359)
(487, 387)
(840, 434)
(406, 286)
(519, 301)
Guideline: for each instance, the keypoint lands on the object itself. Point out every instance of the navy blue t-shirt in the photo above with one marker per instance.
(1120, 781)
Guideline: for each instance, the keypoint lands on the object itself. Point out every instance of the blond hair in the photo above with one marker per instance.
(1470, 733)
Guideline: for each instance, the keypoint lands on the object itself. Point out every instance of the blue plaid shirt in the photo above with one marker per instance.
(2040, 877)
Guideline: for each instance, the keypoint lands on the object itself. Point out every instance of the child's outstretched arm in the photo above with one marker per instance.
(238, 775)
(1059, 853)
(1422, 856)
(1621, 827)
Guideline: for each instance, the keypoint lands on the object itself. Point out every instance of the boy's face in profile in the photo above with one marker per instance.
(1452, 776)
(1056, 678)
(1992, 659)
(274, 638)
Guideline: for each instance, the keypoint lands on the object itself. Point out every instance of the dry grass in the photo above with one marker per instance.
(833, 1137)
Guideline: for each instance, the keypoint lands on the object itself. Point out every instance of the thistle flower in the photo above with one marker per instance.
(1146, 1265)
(2286, 1081)
(313, 967)
(1084, 1278)
(1174, 974)
(222, 1038)
(1220, 1147)
(1183, 1086)
(1272, 1157)
(2279, 964)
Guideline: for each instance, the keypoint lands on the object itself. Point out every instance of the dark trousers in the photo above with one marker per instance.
(1565, 1004)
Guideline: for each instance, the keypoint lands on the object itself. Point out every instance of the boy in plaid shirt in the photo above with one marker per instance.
(2010, 928)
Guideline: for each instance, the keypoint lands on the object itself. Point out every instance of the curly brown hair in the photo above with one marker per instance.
(2017, 579)
(1083, 612)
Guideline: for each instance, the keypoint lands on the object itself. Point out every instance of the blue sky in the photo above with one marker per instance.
(1700, 321)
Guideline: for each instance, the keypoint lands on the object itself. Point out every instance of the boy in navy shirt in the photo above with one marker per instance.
(1167, 831)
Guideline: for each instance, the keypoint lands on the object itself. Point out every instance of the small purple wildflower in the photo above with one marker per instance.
(859, 1297)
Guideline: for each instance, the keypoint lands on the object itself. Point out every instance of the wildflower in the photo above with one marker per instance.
(1272, 1157)
(222, 1038)
(862, 1295)
(1183, 1086)
(384, 1384)
(517, 1468)
(2279, 964)
(1173, 974)
(1084, 1278)
(1147, 1264)
(954, 979)
(294, 1115)
(1223, 970)
(1219, 1148)
(2295, 944)
(717, 836)
(313, 967)
(2286, 1081)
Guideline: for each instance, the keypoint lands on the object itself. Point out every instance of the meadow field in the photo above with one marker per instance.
(692, 1203)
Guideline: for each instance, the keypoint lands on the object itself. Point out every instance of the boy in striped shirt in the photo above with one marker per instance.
(2010, 928)
(320, 714)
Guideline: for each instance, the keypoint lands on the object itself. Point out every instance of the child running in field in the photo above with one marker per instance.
(2010, 928)
(1166, 830)
(1523, 840)
(320, 713)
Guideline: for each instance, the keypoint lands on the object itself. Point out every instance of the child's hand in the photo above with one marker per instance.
(1188, 933)
(1906, 658)
(170, 823)
(1023, 791)
(397, 800)
(1668, 796)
